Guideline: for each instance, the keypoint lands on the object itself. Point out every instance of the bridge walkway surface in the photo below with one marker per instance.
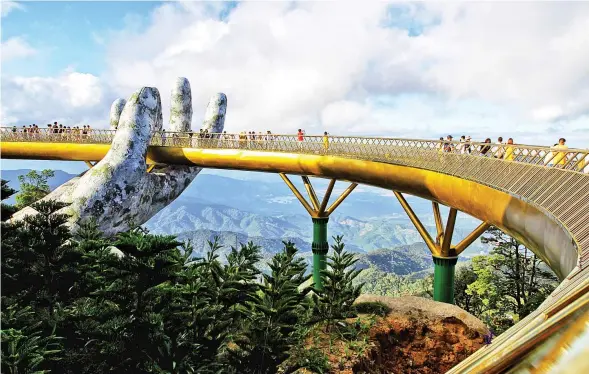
(538, 195)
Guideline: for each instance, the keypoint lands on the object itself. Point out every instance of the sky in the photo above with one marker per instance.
(400, 69)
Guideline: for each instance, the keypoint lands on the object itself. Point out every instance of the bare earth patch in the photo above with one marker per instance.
(417, 336)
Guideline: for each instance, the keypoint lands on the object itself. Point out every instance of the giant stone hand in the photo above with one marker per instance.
(118, 192)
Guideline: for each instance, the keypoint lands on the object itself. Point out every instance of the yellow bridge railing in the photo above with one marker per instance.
(373, 148)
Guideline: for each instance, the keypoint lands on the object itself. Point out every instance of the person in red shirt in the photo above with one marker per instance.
(300, 137)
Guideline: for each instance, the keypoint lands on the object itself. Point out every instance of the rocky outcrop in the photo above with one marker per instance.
(427, 309)
(419, 336)
(118, 193)
(404, 335)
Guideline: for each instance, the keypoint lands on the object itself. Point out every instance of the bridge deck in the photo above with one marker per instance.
(553, 184)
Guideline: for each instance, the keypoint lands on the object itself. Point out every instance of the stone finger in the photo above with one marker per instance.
(115, 112)
(181, 106)
(214, 120)
(142, 112)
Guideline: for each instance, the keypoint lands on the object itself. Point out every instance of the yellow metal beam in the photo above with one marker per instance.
(89, 164)
(447, 240)
(525, 221)
(326, 197)
(470, 238)
(150, 167)
(311, 192)
(298, 195)
(439, 223)
(340, 199)
(434, 249)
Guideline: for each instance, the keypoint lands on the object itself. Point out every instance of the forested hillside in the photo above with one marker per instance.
(77, 302)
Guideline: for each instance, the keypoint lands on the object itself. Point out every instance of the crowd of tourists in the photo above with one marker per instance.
(65, 131)
(500, 149)
(558, 155)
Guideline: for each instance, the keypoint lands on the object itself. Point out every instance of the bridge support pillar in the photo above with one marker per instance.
(320, 248)
(444, 268)
(319, 213)
(445, 255)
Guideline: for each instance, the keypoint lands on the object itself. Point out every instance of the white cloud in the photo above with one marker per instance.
(71, 97)
(478, 68)
(8, 6)
(344, 114)
(279, 66)
(533, 55)
(285, 66)
(15, 48)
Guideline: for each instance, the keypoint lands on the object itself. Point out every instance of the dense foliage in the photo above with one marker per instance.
(33, 187)
(378, 282)
(82, 303)
(334, 301)
(506, 285)
(7, 210)
(499, 288)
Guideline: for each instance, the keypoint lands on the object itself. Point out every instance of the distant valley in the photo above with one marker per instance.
(264, 211)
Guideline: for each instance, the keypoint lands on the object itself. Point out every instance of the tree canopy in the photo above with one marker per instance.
(77, 302)
(33, 187)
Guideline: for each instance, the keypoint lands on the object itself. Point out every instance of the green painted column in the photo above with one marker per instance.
(320, 249)
(444, 278)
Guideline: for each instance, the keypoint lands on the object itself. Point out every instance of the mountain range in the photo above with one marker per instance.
(260, 209)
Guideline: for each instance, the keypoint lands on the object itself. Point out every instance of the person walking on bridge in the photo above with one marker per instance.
(467, 147)
(485, 148)
(509, 151)
(499, 151)
(190, 138)
(561, 158)
(325, 142)
(461, 146)
(300, 138)
(441, 145)
(448, 146)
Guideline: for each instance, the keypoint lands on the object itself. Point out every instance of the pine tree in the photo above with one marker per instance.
(274, 313)
(7, 210)
(335, 301)
(82, 303)
(80, 336)
(38, 260)
(6, 190)
(24, 348)
(510, 282)
(126, 311)
(37, 263)
(467, 300)
(215, 295)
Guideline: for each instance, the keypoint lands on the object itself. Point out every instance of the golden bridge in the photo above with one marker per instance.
(538, 195)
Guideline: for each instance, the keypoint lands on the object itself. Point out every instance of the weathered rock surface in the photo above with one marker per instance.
(117, 192)
(427, 309)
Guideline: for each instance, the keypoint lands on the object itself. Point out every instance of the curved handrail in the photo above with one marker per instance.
(569, 159)
(542, 177)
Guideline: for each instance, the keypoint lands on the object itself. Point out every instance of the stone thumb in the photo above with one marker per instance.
(142, 111)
